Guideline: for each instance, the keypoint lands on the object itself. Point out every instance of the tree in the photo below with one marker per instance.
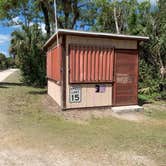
(138, 18)
(27, 45)
(22, 12)
(70, 14)
(154, 23)
(10, 62)
(104, 20)
(160, 40)
(3, 63)
(116, 16)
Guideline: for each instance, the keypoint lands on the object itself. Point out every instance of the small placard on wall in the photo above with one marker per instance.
(100, 88)
(75, 94)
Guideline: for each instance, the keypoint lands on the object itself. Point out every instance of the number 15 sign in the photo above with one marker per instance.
(75, 94)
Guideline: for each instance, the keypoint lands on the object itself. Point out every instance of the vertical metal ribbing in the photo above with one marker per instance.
(93, 64)
(90, 64)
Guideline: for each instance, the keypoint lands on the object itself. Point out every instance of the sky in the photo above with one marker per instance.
(5, 34)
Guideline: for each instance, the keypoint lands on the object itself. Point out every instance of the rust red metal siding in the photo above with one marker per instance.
(126, 77)
(90, 64)
(49, 64)
(54, 57)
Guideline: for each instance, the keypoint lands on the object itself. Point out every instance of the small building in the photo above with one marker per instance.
(91, 69)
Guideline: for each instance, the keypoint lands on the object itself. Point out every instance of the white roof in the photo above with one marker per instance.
(95, 34)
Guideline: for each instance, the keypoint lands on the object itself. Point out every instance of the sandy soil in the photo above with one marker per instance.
(24, 157)
(4, 74)
(81, 116)
(18, 149)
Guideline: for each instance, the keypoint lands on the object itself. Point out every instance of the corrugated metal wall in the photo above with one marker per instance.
(90, 64)
(89, 98)
(49, 61)
(126, 77)
(54, 58)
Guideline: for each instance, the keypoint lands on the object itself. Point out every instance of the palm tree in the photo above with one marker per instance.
(26, 47)
(16, 44)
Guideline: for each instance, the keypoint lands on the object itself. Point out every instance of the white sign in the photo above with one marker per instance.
(75, 94)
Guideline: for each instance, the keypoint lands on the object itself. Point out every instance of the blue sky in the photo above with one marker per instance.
(5, 35)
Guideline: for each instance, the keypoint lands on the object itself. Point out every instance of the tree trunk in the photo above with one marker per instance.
(162, 68)
(116, 20)
(46, 17)
(162, 72)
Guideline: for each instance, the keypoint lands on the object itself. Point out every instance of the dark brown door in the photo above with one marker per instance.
(125, 88)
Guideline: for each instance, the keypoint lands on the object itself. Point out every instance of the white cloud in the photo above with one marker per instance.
(153, 2)
(31, 23)
(16, 19)
(4, 38)
(4, 52)
(42, 25)
(16, 26)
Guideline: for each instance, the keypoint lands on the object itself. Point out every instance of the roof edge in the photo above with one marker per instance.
(95, 34)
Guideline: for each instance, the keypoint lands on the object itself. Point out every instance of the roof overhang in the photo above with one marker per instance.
(93, 34)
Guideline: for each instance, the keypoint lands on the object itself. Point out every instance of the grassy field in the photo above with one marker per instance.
(26, 122)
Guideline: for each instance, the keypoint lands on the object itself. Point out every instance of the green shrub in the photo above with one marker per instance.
(163, 95)
(27, 45)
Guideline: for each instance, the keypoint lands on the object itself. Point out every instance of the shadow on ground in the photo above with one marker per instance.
(4, 84)
(40, 92)
(141, 102)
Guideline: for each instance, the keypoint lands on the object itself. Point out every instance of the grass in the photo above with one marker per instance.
(23, 109)
(156, 110)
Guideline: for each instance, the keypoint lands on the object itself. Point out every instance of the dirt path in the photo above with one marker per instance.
(6, 73)
(22, 157)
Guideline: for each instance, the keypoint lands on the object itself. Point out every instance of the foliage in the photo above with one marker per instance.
(162, 89)
(70, 14)
(126, 15)
(163, 95)
(146, 75)
(6, 62)
(139, 18)
(22, 12)
(10, 62)
(27, 45)
(2, 61)
(104, 20)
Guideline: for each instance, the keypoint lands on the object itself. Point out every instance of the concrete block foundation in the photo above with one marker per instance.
(123, 109)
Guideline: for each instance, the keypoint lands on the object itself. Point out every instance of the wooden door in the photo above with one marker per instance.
(125, 88)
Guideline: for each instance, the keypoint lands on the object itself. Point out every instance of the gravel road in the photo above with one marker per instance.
(4, 74)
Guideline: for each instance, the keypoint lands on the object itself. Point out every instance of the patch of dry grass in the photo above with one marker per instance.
(25, 122)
